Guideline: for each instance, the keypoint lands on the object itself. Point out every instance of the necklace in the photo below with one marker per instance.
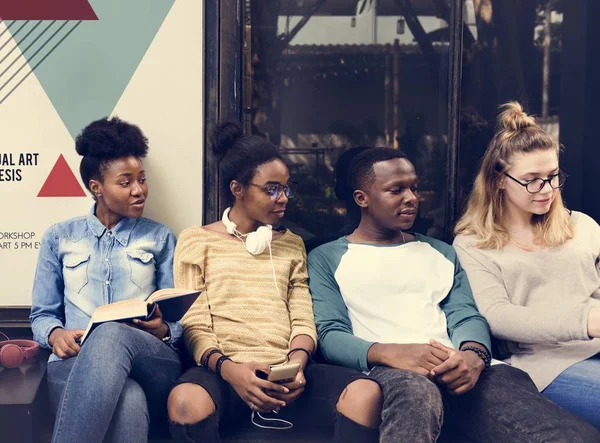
(358, 241)
(521, 245)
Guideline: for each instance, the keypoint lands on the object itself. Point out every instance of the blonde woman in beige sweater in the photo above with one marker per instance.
(534, 266)
(256, 311)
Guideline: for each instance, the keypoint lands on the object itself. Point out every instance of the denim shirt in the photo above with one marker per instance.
(83, 265)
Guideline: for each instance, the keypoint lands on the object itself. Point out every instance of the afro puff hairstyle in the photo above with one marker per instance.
(105, 140)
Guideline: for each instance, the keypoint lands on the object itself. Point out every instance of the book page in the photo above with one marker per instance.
(166, 293)
(116, 311)
(120, 309)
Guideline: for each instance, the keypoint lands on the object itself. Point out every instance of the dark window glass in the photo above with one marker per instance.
(324, 79)
(546, 55)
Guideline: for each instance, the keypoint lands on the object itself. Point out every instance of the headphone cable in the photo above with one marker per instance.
(286, 424)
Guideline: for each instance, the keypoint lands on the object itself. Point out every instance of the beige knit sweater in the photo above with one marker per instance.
(241, 311)
(538, 302)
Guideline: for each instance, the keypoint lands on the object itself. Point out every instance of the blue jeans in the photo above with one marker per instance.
(111, 391)
(577, 389)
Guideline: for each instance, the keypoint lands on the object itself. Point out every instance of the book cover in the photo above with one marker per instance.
(173, 303)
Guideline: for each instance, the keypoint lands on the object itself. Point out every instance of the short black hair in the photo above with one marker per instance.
(105, 140)
(240, 155)
(342, 167)
(360, 174)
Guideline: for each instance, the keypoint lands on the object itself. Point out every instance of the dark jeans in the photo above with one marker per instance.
(316, 407)
(504, 406)
(111, 391)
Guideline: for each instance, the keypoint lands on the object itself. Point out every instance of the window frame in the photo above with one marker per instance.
(223, 62)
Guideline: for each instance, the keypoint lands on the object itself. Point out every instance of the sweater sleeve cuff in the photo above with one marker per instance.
(199, 351)
(579, 331)
(303, 330)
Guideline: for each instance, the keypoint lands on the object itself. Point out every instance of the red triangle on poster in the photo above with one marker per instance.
(61, 182)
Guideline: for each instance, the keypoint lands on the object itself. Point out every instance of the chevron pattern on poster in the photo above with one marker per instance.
(14, 66)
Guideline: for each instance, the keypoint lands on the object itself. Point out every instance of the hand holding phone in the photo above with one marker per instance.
(281, 374)
(256, 393)
(290, 376)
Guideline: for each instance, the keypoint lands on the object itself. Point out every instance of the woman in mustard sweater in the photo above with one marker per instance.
(256, 311)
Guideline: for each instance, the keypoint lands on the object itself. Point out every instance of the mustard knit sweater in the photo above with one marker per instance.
(241, 311)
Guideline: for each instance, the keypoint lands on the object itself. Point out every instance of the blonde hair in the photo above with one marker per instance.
(516, 133)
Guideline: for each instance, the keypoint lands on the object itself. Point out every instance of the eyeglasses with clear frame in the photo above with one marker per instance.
(276, 190)
(535, 185)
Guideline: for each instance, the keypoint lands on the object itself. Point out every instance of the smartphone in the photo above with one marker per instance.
(281, 373)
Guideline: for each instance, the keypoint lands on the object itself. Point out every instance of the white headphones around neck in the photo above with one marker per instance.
(256, 242)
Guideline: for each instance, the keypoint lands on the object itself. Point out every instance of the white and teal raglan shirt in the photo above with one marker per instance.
(407, 293)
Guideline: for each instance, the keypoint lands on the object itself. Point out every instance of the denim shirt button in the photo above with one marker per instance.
(106, 259)
(106, 282)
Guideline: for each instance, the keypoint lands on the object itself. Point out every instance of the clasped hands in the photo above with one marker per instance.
(455, 369)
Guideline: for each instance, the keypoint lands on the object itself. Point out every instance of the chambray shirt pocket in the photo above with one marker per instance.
(75, 272)
(82, 265)
(143, 268)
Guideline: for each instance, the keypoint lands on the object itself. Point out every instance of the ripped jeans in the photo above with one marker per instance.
(503, 406)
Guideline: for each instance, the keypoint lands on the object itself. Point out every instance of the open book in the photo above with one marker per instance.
(173, 304)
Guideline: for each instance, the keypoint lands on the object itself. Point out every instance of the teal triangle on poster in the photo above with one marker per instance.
(85, 76)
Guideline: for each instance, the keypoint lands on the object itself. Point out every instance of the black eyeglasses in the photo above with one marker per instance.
(537, 184)
(276, 190)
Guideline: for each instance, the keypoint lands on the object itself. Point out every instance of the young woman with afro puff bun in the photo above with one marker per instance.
(256, 313)
(114, 385)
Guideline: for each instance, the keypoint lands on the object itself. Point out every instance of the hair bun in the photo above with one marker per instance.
(82, 148)
(226, 135)
(111, 138)
(513, 118)
(92, 141)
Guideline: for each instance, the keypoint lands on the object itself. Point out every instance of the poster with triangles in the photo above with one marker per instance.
(64, 66)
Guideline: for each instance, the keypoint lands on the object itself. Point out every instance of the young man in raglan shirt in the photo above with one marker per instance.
(398, 305)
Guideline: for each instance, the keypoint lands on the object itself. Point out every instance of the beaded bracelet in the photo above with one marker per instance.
(220, 361)
(484, 355)
(209, 355)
